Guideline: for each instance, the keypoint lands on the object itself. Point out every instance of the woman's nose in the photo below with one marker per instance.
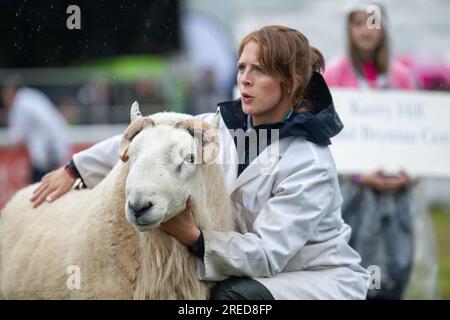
(245, 79)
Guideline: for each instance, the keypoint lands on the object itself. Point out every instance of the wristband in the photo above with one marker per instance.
(71, 172)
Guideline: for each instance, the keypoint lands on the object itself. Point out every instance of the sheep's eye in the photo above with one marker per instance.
(190, 158)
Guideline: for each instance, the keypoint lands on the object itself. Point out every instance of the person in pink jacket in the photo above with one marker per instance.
(368, 63)
(343, 73)
(376, 205)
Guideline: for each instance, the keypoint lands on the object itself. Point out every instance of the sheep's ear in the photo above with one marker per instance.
(135, 112)
(205, 135)
(139, 124)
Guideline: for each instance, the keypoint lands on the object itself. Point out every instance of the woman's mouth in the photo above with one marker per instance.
(246, 98)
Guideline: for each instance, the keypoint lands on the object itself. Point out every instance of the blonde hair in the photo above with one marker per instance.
(285, 54)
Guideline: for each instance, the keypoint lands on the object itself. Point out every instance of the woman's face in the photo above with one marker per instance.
(261, 93)
(365, 39)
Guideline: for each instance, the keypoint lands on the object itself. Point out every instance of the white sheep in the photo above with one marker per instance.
(89, 237)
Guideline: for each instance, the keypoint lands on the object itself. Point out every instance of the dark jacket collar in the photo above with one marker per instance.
(317, 126)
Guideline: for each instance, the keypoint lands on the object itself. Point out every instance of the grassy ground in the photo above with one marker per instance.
(430, 277)
(441, 222)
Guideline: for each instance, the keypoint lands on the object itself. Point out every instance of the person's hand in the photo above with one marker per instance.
(54, 184)
(377, 181)
(182, 226)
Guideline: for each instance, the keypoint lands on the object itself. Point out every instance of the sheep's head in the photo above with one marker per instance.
(164, 157)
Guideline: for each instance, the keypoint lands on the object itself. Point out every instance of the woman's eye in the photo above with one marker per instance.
(241, 68)
(358, 23)
(259, 70)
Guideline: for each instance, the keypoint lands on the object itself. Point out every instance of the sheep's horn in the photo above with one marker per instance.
(205, 134)
(133, 129)
(135, 112)
(191, 125)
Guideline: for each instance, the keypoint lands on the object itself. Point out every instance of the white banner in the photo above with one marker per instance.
(392, 131)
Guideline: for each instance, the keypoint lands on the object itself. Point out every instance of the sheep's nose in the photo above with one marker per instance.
(139, 209)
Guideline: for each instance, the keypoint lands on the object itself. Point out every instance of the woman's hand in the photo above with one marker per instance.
(54, 184)
(182, 226)
(377, 181)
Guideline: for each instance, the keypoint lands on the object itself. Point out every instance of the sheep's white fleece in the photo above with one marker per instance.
(88, 229)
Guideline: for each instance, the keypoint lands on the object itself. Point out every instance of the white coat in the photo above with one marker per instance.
(287, 207)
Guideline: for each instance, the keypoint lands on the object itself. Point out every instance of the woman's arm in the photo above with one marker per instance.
(95, 163)
(92, 165)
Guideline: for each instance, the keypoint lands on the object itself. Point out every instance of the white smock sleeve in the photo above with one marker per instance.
(95, 163)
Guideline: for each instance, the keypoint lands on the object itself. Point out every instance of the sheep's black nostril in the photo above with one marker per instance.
(139, 209)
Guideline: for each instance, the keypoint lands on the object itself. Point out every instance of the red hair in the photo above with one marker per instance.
(285, 54)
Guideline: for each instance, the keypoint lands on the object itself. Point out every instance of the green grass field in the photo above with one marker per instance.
(430, 277)
(441, 222)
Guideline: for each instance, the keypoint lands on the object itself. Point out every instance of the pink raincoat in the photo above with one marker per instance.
(340, 73)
